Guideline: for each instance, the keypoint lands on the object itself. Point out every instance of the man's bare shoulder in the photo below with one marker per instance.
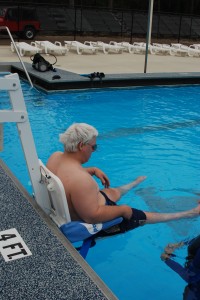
(56, 155)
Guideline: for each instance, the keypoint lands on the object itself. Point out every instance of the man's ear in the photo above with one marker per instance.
(80, 146)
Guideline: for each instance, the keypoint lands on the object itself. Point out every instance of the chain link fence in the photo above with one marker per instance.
(77, 22)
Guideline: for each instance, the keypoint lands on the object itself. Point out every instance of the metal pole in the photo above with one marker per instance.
(131, 29)
(179, 31)
(18, 54)
(149, 27)
(75, 24)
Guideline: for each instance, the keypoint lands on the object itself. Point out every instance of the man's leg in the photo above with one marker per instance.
(165, 217)
(140, 218)
(116, 193)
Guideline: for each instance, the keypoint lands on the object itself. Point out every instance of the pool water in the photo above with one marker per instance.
(152, 131)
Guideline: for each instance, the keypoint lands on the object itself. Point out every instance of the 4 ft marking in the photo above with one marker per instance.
(12, 245)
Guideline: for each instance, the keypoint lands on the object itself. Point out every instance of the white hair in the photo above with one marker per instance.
(76, 133)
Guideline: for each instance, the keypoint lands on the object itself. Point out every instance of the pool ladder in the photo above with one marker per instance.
(14, 44)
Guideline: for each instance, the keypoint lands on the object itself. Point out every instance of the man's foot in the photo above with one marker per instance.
(127, 187)
(196, 210)
(139, 180)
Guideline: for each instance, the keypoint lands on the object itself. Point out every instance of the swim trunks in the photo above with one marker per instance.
(108, 201)
(138, 219)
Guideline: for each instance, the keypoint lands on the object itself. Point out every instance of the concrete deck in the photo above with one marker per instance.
(55, 270)
(112, 63)
(120, 70)
(69, 80)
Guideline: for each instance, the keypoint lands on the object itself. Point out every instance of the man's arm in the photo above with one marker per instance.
(99, 174)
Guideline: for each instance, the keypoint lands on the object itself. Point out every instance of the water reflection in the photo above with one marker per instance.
(120, 132)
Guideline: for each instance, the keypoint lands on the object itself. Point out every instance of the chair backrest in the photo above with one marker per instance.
(58, 206)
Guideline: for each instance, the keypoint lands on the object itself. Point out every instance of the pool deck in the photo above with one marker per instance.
(120, 70)
(69, 80)
(55, 270)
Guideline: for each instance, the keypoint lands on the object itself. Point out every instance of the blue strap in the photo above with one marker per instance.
(85, 247)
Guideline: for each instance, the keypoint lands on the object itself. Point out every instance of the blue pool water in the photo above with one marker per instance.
(151, 131)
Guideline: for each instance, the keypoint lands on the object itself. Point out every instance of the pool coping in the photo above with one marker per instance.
(69, 80)
(15, 201)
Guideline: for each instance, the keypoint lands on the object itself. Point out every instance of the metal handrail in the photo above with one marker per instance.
(10, 35)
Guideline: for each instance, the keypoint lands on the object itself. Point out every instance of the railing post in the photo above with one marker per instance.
(179, 32)
(74, 23)
(18, 54)
(149, 26)
(131, 28)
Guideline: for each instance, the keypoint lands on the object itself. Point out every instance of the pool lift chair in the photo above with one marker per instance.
(75, 231)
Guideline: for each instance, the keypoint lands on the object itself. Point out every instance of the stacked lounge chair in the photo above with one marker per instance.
(80, 47)
(52, 48)
(107, 48)
(25, 48)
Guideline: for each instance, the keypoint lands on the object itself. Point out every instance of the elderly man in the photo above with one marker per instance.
(85, 200)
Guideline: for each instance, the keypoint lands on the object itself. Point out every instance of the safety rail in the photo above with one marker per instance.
(19, 115)
(18, 54)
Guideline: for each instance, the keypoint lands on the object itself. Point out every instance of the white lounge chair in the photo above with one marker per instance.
(135, 48)
(126, 46)
(179, 49)
(140, 48)
(167, 49)
(161, 49)
(25, 48)
(195, 48)
(108, 48)
(80, 47)
(75, 231)
(191, 50)
(152, 48)
(52, 48)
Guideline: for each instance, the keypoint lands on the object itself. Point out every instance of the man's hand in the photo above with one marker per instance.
(102, 176)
